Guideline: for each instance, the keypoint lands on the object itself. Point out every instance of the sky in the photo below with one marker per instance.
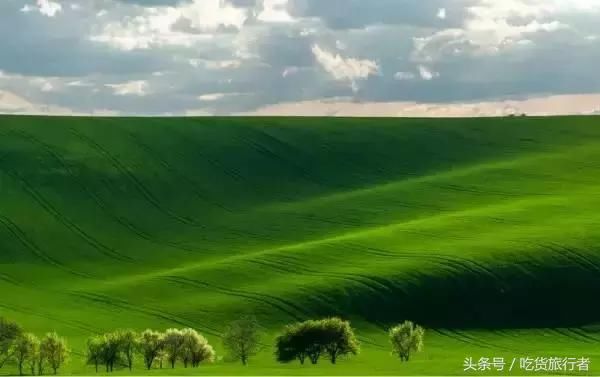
(300, 57)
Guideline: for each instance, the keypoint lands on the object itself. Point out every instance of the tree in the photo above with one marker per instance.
(406, 338)
(173, 342)
(95, 351)
(111, 351)
(128, 344)
(150, 345)
(299, 341)
(54, 350)
(40, 362)
(33, 359)
(203, 353)
(311, 339)
(338, 338)
(25, 350)
(161, 357)
(289, 345)
(9, 332)
(242, 339)
(195, 348)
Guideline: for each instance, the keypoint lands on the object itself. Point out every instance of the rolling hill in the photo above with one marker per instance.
(486, 231)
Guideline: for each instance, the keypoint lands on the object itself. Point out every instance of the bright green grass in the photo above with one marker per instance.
(483, 230)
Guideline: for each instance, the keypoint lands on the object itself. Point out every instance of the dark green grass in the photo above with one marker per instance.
(483, 230)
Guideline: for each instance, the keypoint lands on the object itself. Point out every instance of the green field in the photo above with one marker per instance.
(485, 231)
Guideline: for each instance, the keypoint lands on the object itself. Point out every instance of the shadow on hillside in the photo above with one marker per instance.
(561, 293)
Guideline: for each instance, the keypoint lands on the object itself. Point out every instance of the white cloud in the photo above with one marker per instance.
(78, 84)
(130, 88)
(402, 76)
(12, 103)
(211, 97)
(180, 25)
(290, 71)
(491, 26)
(215, 64)
(46, 7)
(345, 69)
(47, 87)
(275, 11)
(441, 14)
(426, 74)
(536, 106)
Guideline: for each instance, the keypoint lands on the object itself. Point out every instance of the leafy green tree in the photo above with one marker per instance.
(95, 351)
(173, 342)
(311, 339)
(300, 341)
(110, 351)
(290, 345)
(406, 338)
(33, 359)
(203, 353)
(242, 339)
(25, 349)
(195, 348)
(150, 345)
(337, 338)
(128, 344)
(9, 332)
(41, 362)
(54, 350)
(161, 356)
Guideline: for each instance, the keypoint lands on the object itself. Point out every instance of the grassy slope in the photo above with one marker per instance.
(461, 225)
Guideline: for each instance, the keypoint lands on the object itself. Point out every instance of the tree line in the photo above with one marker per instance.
(29, 352)
(334, 338)
(330, 338)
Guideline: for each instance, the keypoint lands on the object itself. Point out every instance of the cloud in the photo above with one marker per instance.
(345, 69)
(404, 76)
(181, 25)
(537, 106)
(130, 88)
(216, 64)
(275, 11)
(491, 27)
(441, 14)
(161, 56)
(211, 97)
(45, 7)
(426, 74)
